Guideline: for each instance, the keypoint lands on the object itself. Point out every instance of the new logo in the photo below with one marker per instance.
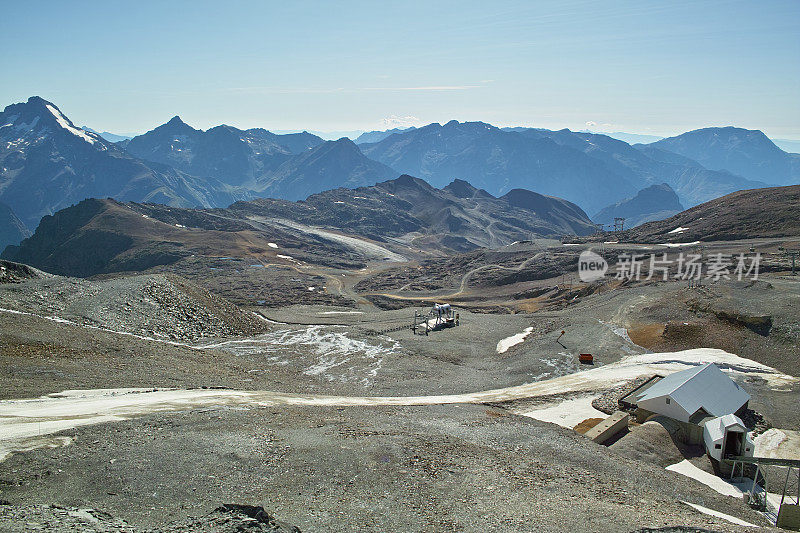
(591, 266)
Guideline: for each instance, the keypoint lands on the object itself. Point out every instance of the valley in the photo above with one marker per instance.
(272, 360)
(245, 329)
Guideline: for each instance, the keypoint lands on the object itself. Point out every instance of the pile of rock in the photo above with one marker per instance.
(186, 312)
(608, 402)
(52, 518)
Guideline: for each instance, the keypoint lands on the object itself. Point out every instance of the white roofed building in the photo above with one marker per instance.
(694, 394)
(727, 435)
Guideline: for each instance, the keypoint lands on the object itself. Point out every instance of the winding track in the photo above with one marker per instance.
(464, 279)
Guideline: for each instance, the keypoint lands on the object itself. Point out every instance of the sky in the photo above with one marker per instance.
(645, 66)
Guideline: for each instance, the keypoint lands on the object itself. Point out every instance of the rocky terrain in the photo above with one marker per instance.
(370, 468)
(340, 228)
(749, 214)
(162, 306)
(11, 272)
(228, 517)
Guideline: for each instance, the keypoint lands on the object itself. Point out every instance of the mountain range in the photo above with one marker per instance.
(591, 170)
(290, 166)
(338, 227)
(747, 153)
(47, 163)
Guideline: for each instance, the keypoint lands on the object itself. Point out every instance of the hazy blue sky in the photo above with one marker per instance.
(649, 67)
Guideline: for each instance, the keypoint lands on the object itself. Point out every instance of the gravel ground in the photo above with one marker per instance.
(439, 468)
(472, 468)
(225, 518)
(158, 305)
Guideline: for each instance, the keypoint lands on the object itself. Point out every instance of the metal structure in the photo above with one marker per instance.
(440, 316)
(758, 498)
(619, 224)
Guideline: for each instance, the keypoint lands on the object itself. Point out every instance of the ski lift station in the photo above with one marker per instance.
(703, 406)
(704, 402)
(440, 316)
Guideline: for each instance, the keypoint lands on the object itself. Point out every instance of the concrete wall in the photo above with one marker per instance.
(609, 427)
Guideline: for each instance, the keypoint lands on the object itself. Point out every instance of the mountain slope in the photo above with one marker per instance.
(12, 230)
(647, 166)
(456, 217)
(342, 227)
(102, 236)
(767, 212)
(499, 161)
(656, 202)
(48, 163)
(330, 165)
(748, 153)
(231, 155)
(377, 136)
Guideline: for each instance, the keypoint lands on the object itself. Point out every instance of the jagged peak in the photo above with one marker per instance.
(461, 188)
(343, 144)
(38, 100)
(175, 125)
(407, 181)
(176, 121)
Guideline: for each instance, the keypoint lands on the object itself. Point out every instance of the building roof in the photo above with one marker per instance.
(716, 426)
(703, 386)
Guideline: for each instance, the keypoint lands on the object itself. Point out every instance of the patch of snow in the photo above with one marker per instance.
(717, 514)
(363, 246)
(566, 413)
(342, 313)
(285, 256)
(179, 226)
(330, 347)
(778, 443)
(688, 469)
(623, 333)
(508, 342)
(611, 242)
(30, 423)
(272, 245)
(312, 289)
(678, 230)
(734, 488)
(679, 244)
(64, 123)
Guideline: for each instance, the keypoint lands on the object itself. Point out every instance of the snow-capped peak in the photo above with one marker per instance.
(67, 125)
